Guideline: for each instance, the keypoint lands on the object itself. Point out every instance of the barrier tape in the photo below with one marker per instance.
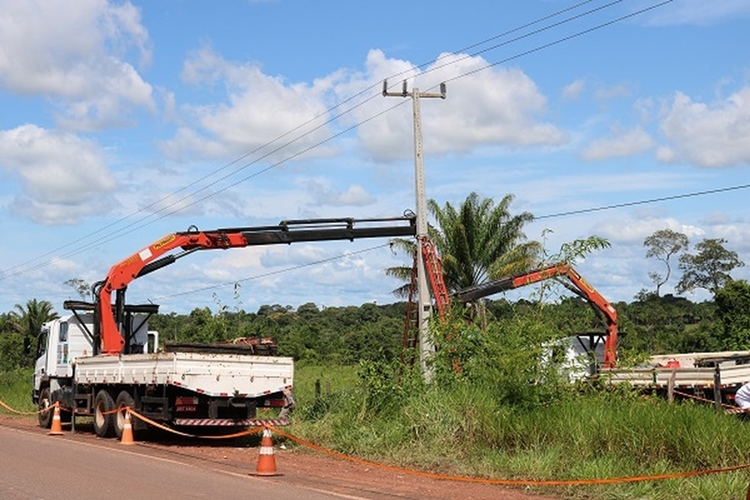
(18, 412)
(512, 482)
(727, 408)
(466, 479)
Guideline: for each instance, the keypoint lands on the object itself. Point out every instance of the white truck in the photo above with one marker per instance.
(103, 358)
(179, 386)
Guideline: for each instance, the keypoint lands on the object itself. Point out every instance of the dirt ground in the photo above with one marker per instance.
(303, 467)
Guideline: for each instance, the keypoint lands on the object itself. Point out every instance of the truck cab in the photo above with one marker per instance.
(63, 340)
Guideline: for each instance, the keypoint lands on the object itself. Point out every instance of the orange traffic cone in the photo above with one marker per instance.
(56, 429)
(127, 430)
(266, 460)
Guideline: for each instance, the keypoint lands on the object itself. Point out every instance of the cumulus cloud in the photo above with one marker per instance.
(496, 106)
(323, 193)
(707, 134)
(631, 231)
(267, 115)
(698, 12)
(621, 144)
(61, 173)
(74, 54)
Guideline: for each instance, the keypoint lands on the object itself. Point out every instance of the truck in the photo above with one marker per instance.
(709, 376)
(102, 359)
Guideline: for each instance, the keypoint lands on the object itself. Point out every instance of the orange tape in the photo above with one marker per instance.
(704, 400)
(13, 410)
(514, 482)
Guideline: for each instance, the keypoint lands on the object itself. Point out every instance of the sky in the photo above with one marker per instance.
(122, 122)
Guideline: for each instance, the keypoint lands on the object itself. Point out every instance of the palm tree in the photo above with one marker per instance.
(477, 242)
(481, 241)
(30, 319)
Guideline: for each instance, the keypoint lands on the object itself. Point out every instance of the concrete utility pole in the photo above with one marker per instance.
(424, 311)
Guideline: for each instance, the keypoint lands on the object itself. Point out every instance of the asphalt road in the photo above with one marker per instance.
(36, 466)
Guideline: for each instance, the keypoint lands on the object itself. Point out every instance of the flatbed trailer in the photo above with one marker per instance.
(710, 376)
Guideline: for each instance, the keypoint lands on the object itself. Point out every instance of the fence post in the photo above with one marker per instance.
(717, 386)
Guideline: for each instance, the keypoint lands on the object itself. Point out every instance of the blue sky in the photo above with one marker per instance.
(121, 122)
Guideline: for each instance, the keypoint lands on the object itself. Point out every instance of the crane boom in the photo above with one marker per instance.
(157, 255)
(582, 288)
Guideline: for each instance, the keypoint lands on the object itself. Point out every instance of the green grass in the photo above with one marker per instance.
(15, 391)
(464, 430)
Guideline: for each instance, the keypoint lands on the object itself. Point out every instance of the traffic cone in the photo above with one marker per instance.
(266, 460)
(56, 429)
(127, 430)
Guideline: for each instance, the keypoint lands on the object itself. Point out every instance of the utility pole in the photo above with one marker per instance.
(424, 311)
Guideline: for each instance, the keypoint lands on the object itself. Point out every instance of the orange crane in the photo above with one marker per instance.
(108, 330)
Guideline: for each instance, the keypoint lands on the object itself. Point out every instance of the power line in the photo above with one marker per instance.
(644, 202)
(548, 216)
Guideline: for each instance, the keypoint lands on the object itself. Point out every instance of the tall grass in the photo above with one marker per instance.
(519, 421)
(15, 390)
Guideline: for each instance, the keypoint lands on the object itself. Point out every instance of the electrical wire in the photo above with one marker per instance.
(548, 216)
(643, 202)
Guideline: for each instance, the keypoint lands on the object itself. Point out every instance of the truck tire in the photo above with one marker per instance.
(124, 400)
(45, 417)
(103, 418)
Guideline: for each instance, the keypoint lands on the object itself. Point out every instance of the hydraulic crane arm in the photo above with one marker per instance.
(581, 287)
(157, 255)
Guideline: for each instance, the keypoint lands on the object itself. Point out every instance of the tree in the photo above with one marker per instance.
(82, 288)
(733, 306)
(30, 319)
(480, 240)
(709, 268)
(662, 245)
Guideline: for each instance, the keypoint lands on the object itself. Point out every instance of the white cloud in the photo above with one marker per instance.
(72, 53)
(573, 90)
(634, 231)
(60, 173)
(274, 119)
(622, 143)
(323, 193)
(708, 135)
(496, 106)
(699, 12)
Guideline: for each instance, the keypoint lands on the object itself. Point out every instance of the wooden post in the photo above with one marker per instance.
(670, 385)
(717, 386)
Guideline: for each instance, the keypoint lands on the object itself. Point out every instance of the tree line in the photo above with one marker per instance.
(477, 241)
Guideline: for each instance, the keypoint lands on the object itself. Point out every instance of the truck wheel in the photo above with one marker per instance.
(103, 419)
(45, 417)
(124, 400)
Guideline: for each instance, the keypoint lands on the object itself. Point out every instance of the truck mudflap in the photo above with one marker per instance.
(226, 422)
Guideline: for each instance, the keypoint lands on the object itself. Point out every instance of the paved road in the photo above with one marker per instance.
(40, 467)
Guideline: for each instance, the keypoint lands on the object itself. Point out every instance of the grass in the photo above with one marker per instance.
(464, 430)
(15, 391)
